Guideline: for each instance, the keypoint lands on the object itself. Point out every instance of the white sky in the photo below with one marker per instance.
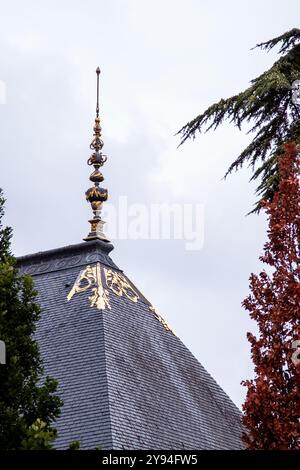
(162, 63)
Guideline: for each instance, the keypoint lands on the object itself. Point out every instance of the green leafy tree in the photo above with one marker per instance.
(39, 436)
(28, 404)
(268, 106)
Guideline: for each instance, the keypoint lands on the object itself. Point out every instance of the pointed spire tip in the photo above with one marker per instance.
(96, 195)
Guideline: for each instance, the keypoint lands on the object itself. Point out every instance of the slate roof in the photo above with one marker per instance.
(126, 380)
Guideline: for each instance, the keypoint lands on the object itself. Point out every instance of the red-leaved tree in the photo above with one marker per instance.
(272, 406)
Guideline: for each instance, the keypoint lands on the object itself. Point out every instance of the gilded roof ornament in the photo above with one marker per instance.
(96, 195)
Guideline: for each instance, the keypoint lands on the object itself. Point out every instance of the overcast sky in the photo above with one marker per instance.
(162, 63)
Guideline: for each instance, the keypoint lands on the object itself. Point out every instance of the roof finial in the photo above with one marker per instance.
(96, 195)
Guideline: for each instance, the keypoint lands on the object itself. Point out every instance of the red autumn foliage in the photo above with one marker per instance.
(272, 406)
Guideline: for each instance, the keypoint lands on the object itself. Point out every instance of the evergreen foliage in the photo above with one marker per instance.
(28, 406)
(267, 105)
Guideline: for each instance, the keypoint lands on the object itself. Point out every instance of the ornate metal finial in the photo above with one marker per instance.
(96, 195)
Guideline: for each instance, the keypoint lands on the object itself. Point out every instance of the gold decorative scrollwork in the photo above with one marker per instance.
(160, 319)
(119, 285)
(90, 278)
